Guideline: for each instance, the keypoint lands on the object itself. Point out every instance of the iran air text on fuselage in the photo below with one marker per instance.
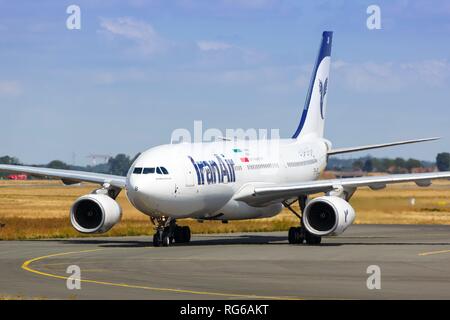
(219, 170)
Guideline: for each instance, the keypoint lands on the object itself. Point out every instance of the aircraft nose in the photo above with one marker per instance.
(141, 189)
(133, 184)
(135, 191)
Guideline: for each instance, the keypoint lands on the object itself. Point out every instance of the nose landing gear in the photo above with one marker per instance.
(182, 234)
(168, 232)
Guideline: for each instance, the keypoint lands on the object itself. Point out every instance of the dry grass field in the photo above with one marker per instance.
(40, 209)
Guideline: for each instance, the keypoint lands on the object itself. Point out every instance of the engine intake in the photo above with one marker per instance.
(328, 215)
(95, 213)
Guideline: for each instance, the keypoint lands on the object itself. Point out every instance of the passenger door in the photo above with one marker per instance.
(190, 174)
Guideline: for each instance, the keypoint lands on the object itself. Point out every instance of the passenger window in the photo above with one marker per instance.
(158, 170)
(137, 170)
(148, 170)
(164, 170)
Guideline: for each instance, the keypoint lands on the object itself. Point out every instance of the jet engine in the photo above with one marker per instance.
(95, 213)
(328, 215)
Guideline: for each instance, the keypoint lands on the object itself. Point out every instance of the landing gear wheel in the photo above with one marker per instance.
(156, 241)
(166, 240)
(312, 239)
(182, 234)
(295, 235)
(178, 235)
(168, 232)
(186, 231)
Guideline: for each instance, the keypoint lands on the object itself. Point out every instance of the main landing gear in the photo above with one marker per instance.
(298, 235)
(168, 232)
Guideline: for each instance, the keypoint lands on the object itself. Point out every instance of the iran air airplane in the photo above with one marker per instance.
(235, 179)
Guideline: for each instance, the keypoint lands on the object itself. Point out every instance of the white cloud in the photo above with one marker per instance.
(143, 34)
(213, 45)
(10, 88)
(390, 76)
(220, 52)
(433, 72)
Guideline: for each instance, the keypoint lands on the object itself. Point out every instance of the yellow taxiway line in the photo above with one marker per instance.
(433, 252)
(26, 266)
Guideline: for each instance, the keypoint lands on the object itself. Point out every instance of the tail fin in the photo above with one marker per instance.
(313, 116)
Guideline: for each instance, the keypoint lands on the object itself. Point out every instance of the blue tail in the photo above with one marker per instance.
(313, 116)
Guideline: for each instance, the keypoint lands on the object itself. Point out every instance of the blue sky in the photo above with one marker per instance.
(139, 69)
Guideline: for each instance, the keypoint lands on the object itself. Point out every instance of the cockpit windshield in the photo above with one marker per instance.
(137, 170)
(148, 170)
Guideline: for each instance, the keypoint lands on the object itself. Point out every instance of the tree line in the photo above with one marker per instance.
(391, 165)
(118, 165)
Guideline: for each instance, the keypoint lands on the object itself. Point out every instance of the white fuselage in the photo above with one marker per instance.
(204, 178)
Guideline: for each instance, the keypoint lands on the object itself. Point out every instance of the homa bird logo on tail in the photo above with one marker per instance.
(323, 92)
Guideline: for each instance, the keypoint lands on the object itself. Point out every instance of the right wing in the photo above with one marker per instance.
(376, 146)
(261, 195)
(68, 176)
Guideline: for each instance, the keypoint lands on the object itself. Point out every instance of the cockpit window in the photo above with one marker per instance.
(148, 170)
(137, 170)
(151, 170)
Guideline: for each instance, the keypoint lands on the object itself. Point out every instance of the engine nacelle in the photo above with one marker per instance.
(95, 213)
(328, 215)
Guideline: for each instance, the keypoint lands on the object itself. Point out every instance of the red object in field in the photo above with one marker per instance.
(17, 177)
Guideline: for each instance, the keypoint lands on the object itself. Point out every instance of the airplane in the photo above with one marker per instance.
(235, 179)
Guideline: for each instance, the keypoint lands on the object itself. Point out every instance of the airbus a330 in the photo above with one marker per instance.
(235, 179)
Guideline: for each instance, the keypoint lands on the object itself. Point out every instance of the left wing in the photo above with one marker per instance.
(259, 195)
(69, 176)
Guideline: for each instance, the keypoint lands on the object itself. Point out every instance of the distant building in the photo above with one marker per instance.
(347, 174)
(423, 170)
(17, 177)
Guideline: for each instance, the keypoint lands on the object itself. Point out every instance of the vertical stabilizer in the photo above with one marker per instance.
(313, 115)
